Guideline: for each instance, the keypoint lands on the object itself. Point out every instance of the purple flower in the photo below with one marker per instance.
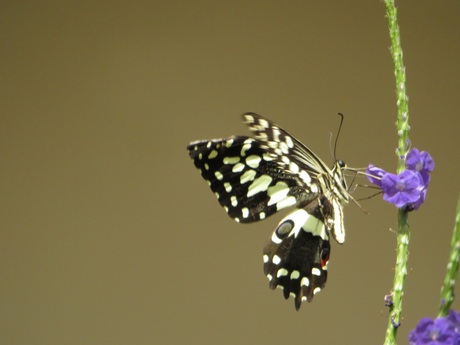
(440, 331)
(402, 189)
(408, 188)
(420, 162)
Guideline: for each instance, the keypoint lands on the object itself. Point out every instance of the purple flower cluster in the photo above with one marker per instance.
(440, 331)
(408, 188)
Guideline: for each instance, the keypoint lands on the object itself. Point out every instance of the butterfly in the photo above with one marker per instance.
(255, 177)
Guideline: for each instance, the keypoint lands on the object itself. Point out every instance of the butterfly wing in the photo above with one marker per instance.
(296, 254)
(248, 183)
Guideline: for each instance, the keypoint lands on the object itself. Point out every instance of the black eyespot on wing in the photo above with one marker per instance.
(284, 228)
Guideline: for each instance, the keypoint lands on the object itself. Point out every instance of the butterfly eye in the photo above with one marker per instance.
(324, 256)
(341, 163)
(284, 228)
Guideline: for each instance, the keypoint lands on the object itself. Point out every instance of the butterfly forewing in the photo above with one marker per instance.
(247, 183)
(254, 178)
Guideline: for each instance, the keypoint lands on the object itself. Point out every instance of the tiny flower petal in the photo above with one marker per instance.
(428, 162)
(421, 162)
(419, 202)
(374, 174)
(412, 158)
(454, 317)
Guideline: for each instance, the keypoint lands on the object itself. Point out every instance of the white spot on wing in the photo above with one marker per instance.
(249, 118)
(316, 271)
(277, 192)
(228, 187)
(289, 201)
(247, 176)
(253, 161)
(282, 272)
(316, 290)
(305, 177)
(245, 212)
(295, 274)
(262, 215)
(276, 259)
(218, 175)
(267, 157)
(265, 257)
(305, 282)
(263, 123)
(231, 160)
(213, 154)
(244, 149)
(276, 134)
(314, 188)
(238, 167)
(262, 136)
(283, 146)
(234, 201)
(285, 160)
(294, 167)
(260, 184)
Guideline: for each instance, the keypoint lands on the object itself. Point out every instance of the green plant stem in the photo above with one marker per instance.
(447, 289)
(402, 249)
(402, 125)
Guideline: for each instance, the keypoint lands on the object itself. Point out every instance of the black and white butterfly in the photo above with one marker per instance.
(254, 178)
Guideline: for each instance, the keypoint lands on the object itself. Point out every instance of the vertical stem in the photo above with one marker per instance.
(402, 124)
(447, 289)
(402, 249)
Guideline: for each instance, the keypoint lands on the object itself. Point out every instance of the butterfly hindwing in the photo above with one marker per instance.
(296, 256)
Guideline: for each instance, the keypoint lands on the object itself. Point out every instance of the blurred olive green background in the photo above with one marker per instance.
(108, 234)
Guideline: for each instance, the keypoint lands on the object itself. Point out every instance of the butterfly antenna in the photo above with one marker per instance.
(338, 133)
